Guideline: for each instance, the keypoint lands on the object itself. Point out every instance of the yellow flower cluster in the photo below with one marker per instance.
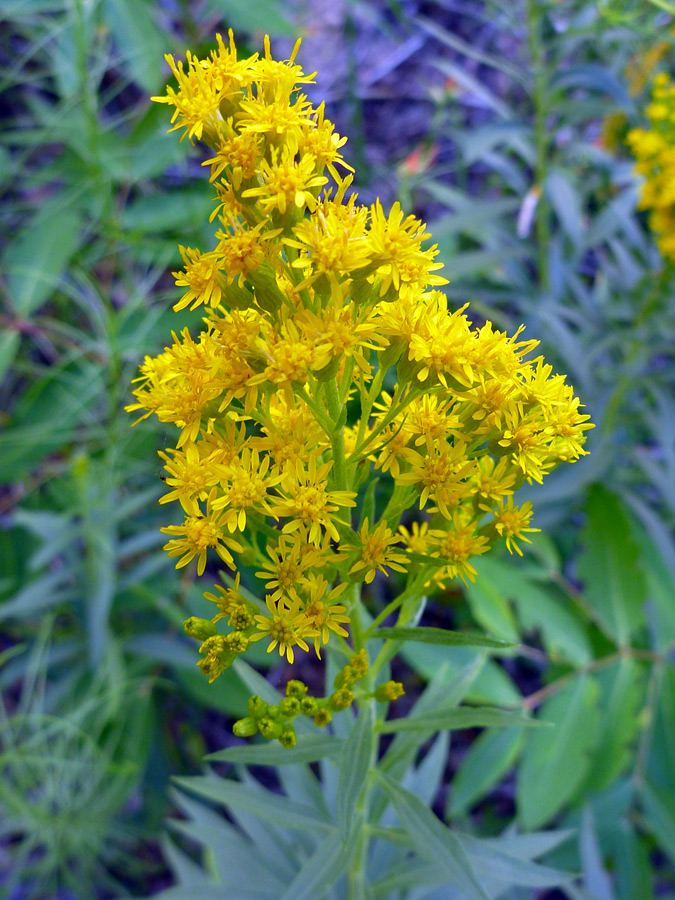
(329, 375)
(654, 150)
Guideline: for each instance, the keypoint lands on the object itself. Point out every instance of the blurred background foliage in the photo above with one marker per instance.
(502, 125)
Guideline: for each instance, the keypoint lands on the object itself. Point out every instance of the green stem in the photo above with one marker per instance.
(357, 868)
(337, 438)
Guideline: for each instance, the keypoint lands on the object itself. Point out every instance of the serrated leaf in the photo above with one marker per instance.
(487, 760)
(432, 840)
(424, 635)
(557, 759)
(309, 748)
(354, 764)
(610, 568)
(456, 720)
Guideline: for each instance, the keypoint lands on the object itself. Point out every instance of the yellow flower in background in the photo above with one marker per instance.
(329, 374)
(654, 150)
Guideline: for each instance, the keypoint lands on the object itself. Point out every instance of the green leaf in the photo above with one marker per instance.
(323, 868)
(566, 204)
(631, 861)
(613, 576)
(659, 808)
(309, 748)
(563, 630)
(355, 762)
(492, 684)
(595, 876)
(556, 759)
(457, 719)
(48, 416)
(33, 275)
(265, 805)
(425, 635)
(432, 840)
(661, 767)
(446, 687)
(489, 604)
(487, 760)
(502, 867)
(175, 210)
(623, 694)
(261, 16)
(9, 345)
(140, 41)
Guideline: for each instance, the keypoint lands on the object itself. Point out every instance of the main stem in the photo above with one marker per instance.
(357, 869)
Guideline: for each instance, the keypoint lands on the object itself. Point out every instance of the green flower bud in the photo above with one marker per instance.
(289, 707)
(257, 707)
(390, 690)
(296, 689)
(323, 717)
(346, 677)
(245, 727)
(287, 737)
(341, 699)
(270, 728)
(201, 629)
(308, 706)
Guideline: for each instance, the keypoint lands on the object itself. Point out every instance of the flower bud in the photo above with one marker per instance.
(270, 728)
(245, 727)
(341, 699)
(257, 707)
(200, 629)
(296, 689)
(308, 706)
(287, 737)
(390, 690)
(323, 717)
(289, 707)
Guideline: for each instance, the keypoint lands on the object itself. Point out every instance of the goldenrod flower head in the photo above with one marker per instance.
(376, 553)
(286, 626)
(312, 304)
(653, 150)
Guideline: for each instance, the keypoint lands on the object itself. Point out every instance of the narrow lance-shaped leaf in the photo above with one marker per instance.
(425, 635)
(355, 762)
(309, 748)
(614, 582)
(433, 840)
(557, 759)
(458, 719)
